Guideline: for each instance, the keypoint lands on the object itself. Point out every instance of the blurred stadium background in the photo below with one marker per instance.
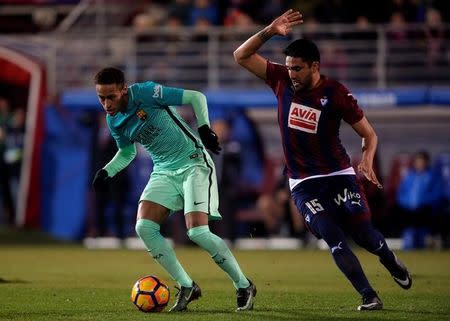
(393, 54)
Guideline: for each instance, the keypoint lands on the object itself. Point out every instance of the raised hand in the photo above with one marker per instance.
(284, 23)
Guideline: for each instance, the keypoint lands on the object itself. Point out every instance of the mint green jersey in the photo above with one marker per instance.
(151, 121)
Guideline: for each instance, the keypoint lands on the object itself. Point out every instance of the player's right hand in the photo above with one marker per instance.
(284, 23)
(101, 179)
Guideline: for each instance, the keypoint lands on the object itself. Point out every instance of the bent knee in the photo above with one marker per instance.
(198, 233)
(145, 228)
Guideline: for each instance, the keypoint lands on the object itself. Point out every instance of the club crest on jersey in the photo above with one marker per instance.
(141, 114)
(323, 101)
(303, 118)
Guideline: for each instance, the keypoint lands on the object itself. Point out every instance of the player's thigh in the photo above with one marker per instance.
(163, 190)
(350, 200)
(194, 219)
(200, 191)
(315, 205)
(321, 220)
(152, 211)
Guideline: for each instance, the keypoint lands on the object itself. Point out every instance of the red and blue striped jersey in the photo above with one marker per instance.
(309, 123)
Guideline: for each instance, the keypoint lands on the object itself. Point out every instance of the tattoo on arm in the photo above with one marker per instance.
(264, 35)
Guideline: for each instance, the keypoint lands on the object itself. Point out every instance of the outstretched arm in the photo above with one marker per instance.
(246, 54)
(369, 147)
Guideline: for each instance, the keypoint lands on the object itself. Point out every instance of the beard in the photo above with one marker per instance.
(304, 85)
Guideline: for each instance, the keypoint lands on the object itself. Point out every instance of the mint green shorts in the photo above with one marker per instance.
(192, 188)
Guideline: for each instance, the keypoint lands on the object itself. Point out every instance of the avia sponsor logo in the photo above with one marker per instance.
(354, 198)
(303, 118)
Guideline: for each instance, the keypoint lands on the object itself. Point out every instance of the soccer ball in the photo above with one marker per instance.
(150, 294)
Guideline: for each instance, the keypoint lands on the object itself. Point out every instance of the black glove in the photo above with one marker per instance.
(209, 139)
(101, 180)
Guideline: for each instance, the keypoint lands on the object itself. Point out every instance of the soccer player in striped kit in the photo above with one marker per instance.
(322, 181)
(183, 175)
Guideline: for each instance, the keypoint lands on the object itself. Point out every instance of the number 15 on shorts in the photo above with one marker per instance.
(314, 206)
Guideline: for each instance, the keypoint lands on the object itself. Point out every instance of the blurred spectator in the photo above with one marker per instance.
(435, 39)
(280, 215)
(243, 172)
(399, 45)
(45, 18)
(443, 6)
(311, 28)
(180, 10)
(238, 18)
(363, 39)
(364, 29)
(415, 196)
(407, 8)
(400, 166)
(441, 226)
(397, 28)
(201, 31)
(205, 10)
(245, 131)
(228, 170)
(110, 205)
(142, 23)
(6, 200)
(13, 155)
(333, 60)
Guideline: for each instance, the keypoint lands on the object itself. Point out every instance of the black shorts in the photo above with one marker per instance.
(339, 197)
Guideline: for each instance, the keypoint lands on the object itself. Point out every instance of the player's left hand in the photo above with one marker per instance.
(367, 170)
(101, 180)
(209, 139)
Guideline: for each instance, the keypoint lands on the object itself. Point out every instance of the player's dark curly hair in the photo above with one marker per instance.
(303, 48)
(110, 75)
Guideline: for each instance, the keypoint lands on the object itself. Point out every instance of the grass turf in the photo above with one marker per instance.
(51, 282)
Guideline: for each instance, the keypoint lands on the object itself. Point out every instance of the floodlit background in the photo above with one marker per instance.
(393, 54)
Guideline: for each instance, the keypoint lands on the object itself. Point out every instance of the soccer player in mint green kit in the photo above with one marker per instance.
(183, 176)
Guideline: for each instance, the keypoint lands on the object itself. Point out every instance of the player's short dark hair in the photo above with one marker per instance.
(110, 75)
(303, 48)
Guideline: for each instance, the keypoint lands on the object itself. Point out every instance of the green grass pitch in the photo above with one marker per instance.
(71, 283)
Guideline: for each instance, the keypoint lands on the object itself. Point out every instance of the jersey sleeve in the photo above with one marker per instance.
(154, 94)
(122, 159)
(276, 74)
(347, 105)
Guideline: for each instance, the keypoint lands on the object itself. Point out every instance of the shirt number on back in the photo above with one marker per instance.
(314, 206)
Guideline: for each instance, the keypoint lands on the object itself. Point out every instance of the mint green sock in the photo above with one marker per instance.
(220, 253)
(161, 251)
